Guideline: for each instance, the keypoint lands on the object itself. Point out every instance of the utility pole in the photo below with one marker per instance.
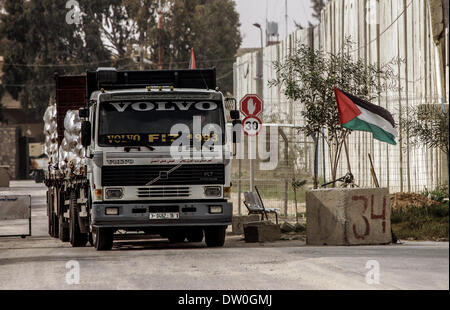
(141, 57)
(159, 35)
(267, 22)
(286, 17)
(252, 140)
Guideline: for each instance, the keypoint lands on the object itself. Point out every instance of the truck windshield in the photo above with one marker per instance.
(150, 122)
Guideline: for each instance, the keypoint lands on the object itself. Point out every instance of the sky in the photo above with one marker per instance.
(252, 11)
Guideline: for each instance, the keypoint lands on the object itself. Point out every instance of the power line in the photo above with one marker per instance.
(230, 59)
(386, 29)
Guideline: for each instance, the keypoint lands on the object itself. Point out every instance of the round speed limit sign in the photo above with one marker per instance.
(251, 125)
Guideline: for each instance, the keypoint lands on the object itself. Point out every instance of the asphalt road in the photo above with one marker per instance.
(41, 262)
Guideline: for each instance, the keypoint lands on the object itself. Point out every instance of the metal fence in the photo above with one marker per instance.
(295, 161)
(402, 30)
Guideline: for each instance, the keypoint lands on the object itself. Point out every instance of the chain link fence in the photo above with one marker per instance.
(295, 162)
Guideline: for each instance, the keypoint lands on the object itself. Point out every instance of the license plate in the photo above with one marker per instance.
(165, 216)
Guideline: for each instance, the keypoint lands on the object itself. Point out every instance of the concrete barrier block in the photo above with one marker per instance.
(239, 221)
(265, 231)
(15, 207)
(4, 177)
(348, 216)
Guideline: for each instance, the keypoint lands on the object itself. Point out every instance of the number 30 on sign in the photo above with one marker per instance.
(252, 125)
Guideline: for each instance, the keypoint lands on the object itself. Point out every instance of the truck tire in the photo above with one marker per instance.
(103, 238)
(55, 226)
(195, 235)
(64, 233)
(215, 236)
(50, 214)
(77, 238)
(50, 225)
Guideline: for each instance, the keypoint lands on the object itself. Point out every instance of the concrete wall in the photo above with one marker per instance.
(9, 145)
(401, 28)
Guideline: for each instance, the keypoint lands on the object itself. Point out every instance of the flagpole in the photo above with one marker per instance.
(346, 154)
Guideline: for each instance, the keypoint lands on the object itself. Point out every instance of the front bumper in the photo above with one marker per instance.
(136, 215)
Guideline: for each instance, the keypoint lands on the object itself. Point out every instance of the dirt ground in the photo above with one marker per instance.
(405, 200)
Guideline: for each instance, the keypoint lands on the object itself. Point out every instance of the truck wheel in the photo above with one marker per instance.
(64, 233)
(195, 235)
(52, 218)
(91, 241)
(215, 236)
(53, 225)
(77, 239)
(176, 237)
(103, 238)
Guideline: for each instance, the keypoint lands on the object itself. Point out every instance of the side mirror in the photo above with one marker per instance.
(86, 133)
(83, 113)
(234, 114)
(237, 131)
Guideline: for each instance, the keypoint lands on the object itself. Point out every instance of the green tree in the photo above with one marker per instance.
(40, 42)
(211, 27)
(217, 38)
(309, 76)
(428, 125)
(317, 6)
(37, 40)
(113, 21)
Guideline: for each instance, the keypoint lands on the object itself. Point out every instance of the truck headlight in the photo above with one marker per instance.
(215, 209)
(113, 193)
(213, 191)
(112, 211)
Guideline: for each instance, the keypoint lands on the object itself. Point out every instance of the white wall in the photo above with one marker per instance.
(404, 31)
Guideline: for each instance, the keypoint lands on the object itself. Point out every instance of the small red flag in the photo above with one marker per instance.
(192, 64)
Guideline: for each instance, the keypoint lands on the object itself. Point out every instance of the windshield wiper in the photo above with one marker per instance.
(129, 148)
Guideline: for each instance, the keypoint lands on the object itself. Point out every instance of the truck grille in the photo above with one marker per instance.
(183, 175)
(163, 192)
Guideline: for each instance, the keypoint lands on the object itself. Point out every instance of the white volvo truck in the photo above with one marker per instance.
(135, 179)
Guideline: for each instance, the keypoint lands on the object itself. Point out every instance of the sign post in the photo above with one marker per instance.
(252, 106)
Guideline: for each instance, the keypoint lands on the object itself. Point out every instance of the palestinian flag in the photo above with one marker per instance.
(358, 114)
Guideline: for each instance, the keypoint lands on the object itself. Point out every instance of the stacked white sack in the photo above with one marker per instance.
(72, 153)
(51, 135)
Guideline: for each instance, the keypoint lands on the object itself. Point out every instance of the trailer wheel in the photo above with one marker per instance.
(103, 238)
(39, 176)
(52, 218)
(77, 239)
(215, 236)
(195, 235)
(50, 214)
(53, 225)
(50, 225)
(64, 233)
